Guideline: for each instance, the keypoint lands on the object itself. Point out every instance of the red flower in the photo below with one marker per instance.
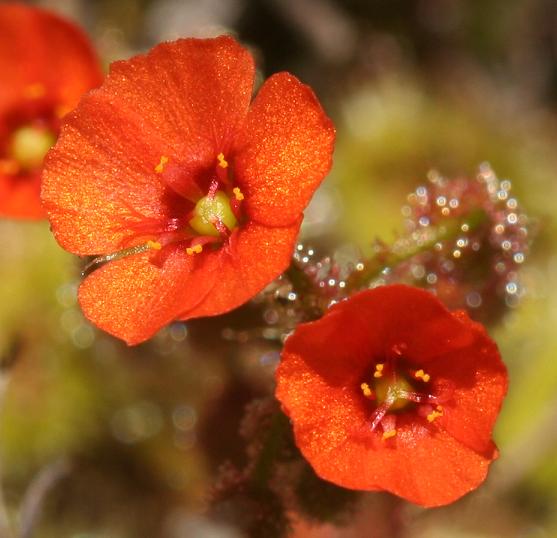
(202, 191)
(46, 63)
(390, 391)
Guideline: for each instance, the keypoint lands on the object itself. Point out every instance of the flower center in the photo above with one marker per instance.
(211, 213)
(31, 127)
(391, 389)
(211, 222)
(28, 146)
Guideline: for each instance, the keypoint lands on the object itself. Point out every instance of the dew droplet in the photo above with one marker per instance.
(511, 288)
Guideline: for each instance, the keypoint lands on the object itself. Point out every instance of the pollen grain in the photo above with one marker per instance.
(196, 249)
(162, 163)
(436, 413)
(420, 374)
(378, 370)
(368, 393)
(238, 194)
(223, 163)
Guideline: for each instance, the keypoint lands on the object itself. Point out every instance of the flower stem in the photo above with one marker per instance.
(413, 245)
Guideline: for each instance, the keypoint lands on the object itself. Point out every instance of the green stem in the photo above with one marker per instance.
(450, 229)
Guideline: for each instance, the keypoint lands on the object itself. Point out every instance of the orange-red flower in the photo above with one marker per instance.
(193, 193)
(46, 63)
(390, 391)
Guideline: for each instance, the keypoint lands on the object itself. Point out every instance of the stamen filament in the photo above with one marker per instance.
(389, 427)
(417, 397)
(381, 411)
(213, 188)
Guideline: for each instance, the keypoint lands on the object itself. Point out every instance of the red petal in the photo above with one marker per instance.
(355, 333)
(426, 469)
(98, 181)
(283, 152)
(134, 297)
(477, 380)
(183, 100)
(257, 256)
(37, 46)
(19, 197)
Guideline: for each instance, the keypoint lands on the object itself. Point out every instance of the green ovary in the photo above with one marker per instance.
(382, 387)
(211, 209)
(29, 145)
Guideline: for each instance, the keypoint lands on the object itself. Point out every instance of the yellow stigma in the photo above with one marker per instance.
(436, 413)
(223, 163)
(389, 434)
(210, 210)
(420, 374)
(196, 249)
(155, 245)
(378, 370)
(34, 91)
(368, 393)
(238, 194)
(29, 145)
(160, 167)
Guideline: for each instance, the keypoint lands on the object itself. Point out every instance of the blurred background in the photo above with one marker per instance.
(135, 435)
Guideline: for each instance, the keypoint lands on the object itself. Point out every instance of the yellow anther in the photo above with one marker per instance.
(34, 91)
(436, 413)
(160, 167)
(389, 434)
(155, 245)
(378, 370)
(238, 194)
(196, 249)
(420, 374)
(223, 163)
(368, 393)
